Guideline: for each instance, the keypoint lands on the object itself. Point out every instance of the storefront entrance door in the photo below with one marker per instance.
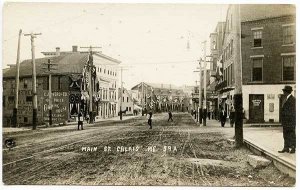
(256, 108)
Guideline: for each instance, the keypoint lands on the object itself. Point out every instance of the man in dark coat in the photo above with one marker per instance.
(170, 116)
(223, 116)
(150, 120)
(288, 120)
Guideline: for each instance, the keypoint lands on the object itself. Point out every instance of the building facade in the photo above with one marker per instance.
(268, 58)
(162, 97)
(70, 84)
(127, 101)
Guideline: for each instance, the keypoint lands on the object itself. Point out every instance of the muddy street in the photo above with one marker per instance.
(128, 153)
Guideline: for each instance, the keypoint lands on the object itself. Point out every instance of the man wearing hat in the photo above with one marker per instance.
(288, 120)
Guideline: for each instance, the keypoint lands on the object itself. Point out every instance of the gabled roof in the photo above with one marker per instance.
(68, 63)
(156, 85)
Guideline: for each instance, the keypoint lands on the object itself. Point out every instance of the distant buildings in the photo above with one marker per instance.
(127, 101)
(70, 83)
(163, 97)
(268, 58)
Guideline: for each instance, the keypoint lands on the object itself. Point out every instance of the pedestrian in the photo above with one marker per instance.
(223, 116)
(208, 114)
(150, 119)
(170, 116)
(80, 120)
(232, 116)
(87, 118)
(288, 120)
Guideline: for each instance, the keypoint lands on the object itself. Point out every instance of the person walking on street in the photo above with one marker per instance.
(150, 120)
(170, 116)
(223, 116)
(288, 120)
(80, 120)
(232, 116)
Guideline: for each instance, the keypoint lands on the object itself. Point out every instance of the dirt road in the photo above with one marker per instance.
(128, 153)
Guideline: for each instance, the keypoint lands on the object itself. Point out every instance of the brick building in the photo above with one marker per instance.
(268, 58)
(69, 87)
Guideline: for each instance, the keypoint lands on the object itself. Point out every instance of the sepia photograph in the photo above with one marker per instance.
(173, 94)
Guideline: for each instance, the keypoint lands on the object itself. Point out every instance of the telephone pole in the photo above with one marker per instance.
(90, 68)
(204, 81)
(121, 100)
(34, 98)
(200, 94)
(49, 64)
(142, 101)
(238, 96)
(15, 111)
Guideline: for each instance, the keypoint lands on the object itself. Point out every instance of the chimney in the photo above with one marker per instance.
(57, 51)
(74, 48)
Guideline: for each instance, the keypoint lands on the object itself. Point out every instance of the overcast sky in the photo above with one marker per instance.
(160, 42)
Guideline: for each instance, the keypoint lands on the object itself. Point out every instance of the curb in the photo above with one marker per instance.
(281, 164)
(73, 123)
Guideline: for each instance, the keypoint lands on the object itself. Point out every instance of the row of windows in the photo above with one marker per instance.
(288, 36)
(104, 94)
(229, 74)
(288, 68)
(11, 100)
(228, 51)
(128, 108)
(126, 99)
(109, 72)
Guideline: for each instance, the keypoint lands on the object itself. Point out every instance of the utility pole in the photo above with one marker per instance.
(49, 64)
(15, 111)
(204, 81)
(121, 100)
(200, 94)
(142, 99)
(90, 68)
(121, 93)
(34, 98)
(238, 96)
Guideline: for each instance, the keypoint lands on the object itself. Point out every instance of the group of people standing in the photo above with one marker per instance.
(223, 117)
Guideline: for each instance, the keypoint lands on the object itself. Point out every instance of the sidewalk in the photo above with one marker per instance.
(266, 141)
(7, 130)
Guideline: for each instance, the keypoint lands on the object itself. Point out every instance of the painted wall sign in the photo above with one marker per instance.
(60, 102)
